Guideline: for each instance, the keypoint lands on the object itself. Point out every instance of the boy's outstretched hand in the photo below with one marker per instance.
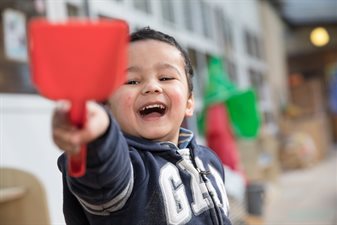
(68, 137)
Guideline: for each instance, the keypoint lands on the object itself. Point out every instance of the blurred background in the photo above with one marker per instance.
(280, 154)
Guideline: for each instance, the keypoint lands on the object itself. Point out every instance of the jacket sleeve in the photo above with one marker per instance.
(108, 181)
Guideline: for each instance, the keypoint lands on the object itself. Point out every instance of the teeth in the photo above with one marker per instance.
(153, 106)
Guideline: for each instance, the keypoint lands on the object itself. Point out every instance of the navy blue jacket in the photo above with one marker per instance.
(133, 181)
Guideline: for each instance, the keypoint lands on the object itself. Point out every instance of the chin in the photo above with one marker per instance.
(155, 136)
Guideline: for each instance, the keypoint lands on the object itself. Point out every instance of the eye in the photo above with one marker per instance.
(132, 82)
(166, 78)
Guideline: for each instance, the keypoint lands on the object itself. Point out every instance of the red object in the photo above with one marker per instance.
(220, 137)
(78, 61)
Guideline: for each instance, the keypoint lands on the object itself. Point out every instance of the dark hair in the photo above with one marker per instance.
(148, 33)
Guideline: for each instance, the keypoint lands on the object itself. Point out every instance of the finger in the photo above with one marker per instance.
(72, 136)
(66, 142)
(63, 105)
(97, 122)
(68, 148)
(60, 117)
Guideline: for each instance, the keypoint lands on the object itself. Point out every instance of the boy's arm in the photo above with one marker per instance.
(72, 209)
(108, 181)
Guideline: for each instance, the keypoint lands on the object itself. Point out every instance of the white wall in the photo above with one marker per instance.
(25, 143)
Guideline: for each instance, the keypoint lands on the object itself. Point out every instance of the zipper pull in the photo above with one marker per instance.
(203, 173)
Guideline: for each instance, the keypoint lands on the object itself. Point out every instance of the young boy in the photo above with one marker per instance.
(142, 167)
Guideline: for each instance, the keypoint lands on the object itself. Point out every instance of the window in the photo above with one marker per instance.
(224, 31)
(206, 16)
(232, 70)
(229, 45)
(249, 43)
(143, 5)
(15, 73)
(257, 81)
(220, 26)
(188, 20)
(73, 11)
(199, 62)
(258, 48)
(253, 45)
(167, 10)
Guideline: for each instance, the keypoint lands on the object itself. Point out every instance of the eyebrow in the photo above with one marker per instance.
(167, 66)
(133, 69)
(158, 67)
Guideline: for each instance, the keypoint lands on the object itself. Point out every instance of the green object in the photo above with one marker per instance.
(243, 113)
(219, 87)
(241, 104)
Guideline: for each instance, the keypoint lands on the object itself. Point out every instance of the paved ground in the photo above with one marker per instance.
(304, 197)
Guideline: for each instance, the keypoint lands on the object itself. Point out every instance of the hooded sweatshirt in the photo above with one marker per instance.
(134, 181)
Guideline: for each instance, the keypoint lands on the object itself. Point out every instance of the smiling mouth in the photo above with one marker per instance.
(153, 110)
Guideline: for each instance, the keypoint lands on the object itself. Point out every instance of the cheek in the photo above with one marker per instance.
(179, 97)
(121, 104)
(127, 102)
(122, 99)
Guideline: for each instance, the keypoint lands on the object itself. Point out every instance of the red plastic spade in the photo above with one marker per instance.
(78, 61)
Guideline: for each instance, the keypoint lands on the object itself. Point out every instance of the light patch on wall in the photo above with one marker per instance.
(319, 37)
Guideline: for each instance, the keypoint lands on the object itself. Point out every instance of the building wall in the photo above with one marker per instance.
(275, 42)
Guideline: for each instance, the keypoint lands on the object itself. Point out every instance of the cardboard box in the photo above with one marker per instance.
(309, 97)
(316, 126)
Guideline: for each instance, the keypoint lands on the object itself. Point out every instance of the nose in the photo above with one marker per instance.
(152, 86)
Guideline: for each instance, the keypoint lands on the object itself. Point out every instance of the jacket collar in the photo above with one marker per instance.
(185, 138)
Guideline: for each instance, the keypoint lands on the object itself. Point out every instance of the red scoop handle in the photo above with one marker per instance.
(77, 163)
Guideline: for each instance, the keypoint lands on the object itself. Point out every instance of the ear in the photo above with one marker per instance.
(189, 106)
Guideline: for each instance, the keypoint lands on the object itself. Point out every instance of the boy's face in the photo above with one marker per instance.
(155, 99)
